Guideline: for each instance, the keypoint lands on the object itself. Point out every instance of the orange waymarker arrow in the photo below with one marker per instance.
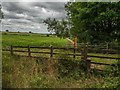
(75, 42)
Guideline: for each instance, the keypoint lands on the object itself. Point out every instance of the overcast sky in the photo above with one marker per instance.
(28, 16)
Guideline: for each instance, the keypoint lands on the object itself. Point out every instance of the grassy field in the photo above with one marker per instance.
(24, 39)
(21, 72)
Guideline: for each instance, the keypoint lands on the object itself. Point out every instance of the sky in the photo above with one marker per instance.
(28, 16)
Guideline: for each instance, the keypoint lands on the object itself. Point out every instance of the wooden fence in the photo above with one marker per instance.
(83, 53)
(51, 49)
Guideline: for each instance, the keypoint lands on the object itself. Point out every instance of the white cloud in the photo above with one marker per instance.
(22, 15)
(36, 7)
(44, 10)
(31, 14)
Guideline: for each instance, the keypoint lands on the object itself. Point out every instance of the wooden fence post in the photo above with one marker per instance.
(85, 59)
(107, 47)
(11, 50)
(84, 53)
(49, 64)
(51, 51)
(74, 52)
(29, 54)
(88, 62)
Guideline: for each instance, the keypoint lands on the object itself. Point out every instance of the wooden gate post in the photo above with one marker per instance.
(29, 54)
(11, 50)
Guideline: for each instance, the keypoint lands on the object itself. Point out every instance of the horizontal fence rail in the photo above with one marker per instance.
(82, 52)
(51, 48)
(103, 57)
(102, 63)
(54, 48)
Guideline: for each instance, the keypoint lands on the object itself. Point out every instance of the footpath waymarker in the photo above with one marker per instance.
(75, 42)
(75, 45)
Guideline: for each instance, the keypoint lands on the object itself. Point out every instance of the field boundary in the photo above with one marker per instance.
(83, 54)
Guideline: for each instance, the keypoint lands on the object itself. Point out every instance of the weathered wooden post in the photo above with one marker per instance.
(74, 52)
(107, 48)
(84, 53)
(11, 50)
(85, 58)
(88, 62)
(50, 68)
(29, 54)
(51, 51)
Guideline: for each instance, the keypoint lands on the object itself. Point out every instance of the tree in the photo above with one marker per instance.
(7, 30)
(30, 32)
(60, 28)
(94, 22)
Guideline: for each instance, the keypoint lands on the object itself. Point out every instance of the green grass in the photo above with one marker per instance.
(21, 72)
(24, 39)
(104, 60)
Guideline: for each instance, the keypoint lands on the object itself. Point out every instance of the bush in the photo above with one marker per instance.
(114, 70)
(4, 33)
(7, 30)
(30, 32)
(66, 65)
(69, 67)
(47, 35)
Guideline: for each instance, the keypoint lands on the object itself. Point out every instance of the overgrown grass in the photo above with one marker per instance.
(21, 72)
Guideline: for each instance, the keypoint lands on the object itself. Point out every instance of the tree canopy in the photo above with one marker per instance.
(60, 28)
(94, 22)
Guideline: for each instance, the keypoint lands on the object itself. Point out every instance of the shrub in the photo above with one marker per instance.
(30, 32)
(69, 67)
(114, 70)
(47, 35)
(65, 65)
(7, 30)
(4, 33)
